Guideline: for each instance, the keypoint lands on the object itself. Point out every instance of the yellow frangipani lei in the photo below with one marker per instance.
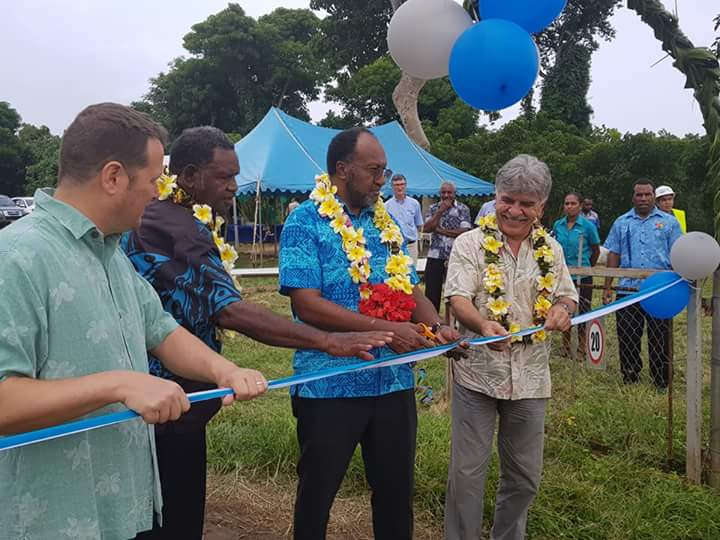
(167, 187)
(397, 264)
(497, 306)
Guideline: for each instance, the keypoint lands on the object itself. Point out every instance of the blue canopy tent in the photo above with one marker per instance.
(283, 154)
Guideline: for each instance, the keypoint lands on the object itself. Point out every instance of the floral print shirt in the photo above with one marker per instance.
(457, 217)
(312, 257)
(73, 305)
(522, 371)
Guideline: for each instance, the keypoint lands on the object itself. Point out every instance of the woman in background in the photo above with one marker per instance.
(570, 231)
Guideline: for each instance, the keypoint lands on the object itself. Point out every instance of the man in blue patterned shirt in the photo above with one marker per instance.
(446, 220)
(176, 253)
(641, 238)
(376, 407)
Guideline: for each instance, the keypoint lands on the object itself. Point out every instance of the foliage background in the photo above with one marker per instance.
(236, 67)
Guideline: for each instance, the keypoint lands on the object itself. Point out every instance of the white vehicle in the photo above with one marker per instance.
(26, 204)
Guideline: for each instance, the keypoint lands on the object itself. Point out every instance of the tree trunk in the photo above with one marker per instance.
(405, 98)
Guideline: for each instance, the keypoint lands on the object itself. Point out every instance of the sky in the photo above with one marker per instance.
(57, 57)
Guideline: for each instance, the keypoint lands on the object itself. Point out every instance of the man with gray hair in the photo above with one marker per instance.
(508, 274)
(446, 220)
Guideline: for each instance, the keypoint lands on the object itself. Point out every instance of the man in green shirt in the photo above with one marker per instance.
(75, 324)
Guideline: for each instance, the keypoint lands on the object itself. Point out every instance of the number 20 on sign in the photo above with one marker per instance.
(595, 343)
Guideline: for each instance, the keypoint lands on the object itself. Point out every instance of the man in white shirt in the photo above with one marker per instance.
(406, 211)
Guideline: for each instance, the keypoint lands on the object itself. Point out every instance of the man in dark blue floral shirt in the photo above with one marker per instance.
(178, 254)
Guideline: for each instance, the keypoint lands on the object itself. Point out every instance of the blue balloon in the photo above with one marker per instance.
(493, 64)
(532, 15)
(670, 302)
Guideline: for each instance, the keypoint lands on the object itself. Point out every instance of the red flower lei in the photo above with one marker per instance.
(386, 303)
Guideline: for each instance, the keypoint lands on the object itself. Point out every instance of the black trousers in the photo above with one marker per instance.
(328, 431)
(435, 273)
(630, 327)
(182, 460)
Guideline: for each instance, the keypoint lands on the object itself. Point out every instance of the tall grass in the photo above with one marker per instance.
(606, 476)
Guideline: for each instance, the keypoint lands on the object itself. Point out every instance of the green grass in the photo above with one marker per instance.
(606, 475)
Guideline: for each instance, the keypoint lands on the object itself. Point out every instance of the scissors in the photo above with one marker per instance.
(430, 332)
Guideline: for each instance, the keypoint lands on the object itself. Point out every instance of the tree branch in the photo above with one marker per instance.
(702, 70)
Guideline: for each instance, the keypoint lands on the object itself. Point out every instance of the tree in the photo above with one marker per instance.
(354, 35)
(702, 69)
(367, 98)
(566, 49)
(565, 88)
(43, 150)
(238, 68)
(12, 152)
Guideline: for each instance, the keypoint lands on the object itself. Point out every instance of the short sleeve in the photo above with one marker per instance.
(564, 286)
(465, 218)
(555, 227)
(23, 322)
(675, 232)
(186, 270)
(418, 214)
(612, 242)
(299, 265)
(592, 233)
(159, 324)
(463, 273)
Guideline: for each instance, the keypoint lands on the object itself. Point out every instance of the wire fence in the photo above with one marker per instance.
(646, 372)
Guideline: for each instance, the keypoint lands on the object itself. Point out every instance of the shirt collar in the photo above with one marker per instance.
(654, 212)
(69, 217)
(367, 210)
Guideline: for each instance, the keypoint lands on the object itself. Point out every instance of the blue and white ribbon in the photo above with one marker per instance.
(87, 424)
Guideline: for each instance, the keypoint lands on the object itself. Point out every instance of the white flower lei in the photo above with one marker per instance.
(494, 282)
(167, 187)
(397, 264)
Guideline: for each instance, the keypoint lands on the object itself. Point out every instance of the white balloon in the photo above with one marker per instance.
(695, 255)
(422, 33)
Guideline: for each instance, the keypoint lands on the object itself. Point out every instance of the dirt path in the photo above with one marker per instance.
(238, 509)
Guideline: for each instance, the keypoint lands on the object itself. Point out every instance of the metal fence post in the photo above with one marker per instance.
(693, 466)
(715, 386)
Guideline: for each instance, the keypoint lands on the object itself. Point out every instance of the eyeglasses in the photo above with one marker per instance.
(374, 172)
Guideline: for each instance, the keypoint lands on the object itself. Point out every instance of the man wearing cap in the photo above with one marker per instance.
(406, 211)
(665, 200)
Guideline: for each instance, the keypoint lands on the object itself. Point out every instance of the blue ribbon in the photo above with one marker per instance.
(87, 424)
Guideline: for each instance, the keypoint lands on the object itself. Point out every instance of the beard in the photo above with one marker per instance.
(357, 198)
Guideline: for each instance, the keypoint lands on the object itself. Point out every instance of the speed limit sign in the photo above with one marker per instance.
(595, 343)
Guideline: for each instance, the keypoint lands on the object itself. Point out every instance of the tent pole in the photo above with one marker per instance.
(262, 248)
(255, 221)
(235, 230)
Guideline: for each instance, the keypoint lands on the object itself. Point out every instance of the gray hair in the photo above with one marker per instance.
(524, 174)
(448, 183)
